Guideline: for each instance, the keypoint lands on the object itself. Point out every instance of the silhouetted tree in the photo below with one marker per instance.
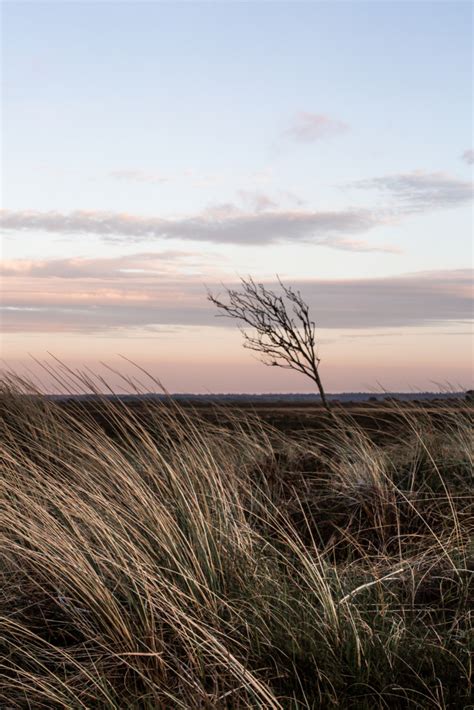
(281, 328)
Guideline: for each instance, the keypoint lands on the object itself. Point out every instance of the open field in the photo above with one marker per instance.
(381, 421)
(164, 556)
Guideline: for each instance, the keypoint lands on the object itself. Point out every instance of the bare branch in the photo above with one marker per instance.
(281, 329)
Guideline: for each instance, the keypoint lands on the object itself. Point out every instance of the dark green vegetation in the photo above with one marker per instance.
(157, 556)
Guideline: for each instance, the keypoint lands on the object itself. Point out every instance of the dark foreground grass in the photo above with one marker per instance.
(184, 564)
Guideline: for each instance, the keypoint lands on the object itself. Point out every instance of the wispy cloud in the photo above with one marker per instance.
(224, 224)
(310, 127)
(138, 176)
(106, 269)
(135, 299)
(189, 176)
(256, 201)
(420, 191)
(468, 156)
(360, 245)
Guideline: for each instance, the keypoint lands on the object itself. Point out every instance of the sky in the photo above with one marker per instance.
(152, 150)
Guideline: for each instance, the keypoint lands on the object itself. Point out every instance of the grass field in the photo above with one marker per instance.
(168, 557)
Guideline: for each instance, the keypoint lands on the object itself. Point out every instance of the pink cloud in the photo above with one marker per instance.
(90, 302)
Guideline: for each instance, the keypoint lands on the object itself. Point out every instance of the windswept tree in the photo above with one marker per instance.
(281, 329)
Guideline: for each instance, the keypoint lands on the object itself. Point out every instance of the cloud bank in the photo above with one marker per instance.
(224, 224)
(99, 296)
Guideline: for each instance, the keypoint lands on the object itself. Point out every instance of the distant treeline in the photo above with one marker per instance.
(290, 398)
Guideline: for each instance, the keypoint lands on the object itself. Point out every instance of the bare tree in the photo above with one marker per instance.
(283, 332)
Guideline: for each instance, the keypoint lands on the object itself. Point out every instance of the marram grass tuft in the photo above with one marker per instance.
(168, 562)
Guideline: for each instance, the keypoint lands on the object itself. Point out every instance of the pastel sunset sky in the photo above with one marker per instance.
(153, 149)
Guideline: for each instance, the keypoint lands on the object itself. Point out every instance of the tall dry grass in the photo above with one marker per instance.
(173, 563)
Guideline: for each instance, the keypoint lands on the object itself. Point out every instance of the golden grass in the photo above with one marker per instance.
(179, 564)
